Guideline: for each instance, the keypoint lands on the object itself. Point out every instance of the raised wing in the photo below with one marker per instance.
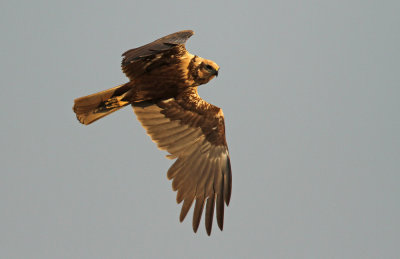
(136, 61)
(194, 132)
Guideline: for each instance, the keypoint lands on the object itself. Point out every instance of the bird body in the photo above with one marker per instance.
(163, 93)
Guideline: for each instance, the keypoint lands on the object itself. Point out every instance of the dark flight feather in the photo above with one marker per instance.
(157, 46)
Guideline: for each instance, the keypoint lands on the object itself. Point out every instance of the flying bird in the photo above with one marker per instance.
(162, 89)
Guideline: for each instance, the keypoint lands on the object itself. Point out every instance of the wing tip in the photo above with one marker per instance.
(179, 37)
(228, 182)
(189, 32)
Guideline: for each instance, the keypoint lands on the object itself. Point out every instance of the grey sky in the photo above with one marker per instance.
(310, 92)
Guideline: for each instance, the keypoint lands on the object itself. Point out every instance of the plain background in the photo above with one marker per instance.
(310, 92)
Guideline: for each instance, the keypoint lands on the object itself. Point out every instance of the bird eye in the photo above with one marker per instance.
(208, 67)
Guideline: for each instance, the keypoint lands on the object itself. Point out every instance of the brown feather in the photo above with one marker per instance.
(194, 165)
(220, 211)
(172, 171)
(163, 92)
(209, 213)
(187, 203)
(198, 211)
(89, 109)
(227, 181)
(219, 187)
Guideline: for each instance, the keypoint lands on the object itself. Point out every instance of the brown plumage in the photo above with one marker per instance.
(163, 93)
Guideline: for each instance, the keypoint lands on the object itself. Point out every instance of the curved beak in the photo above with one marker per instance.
(216, 72)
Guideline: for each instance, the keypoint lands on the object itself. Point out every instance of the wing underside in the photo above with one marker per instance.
(202, 173)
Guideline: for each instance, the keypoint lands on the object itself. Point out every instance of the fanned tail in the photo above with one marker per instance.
(95, 106)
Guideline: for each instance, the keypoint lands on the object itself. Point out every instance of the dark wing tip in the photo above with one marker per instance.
(179, 37)
(210, 213)
(197, 213)
(157, 46)
(228, 182)
(220, 211)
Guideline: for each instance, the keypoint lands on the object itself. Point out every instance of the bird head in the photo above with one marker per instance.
(206, 70)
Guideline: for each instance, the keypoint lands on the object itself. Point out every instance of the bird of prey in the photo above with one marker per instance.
(162, 89)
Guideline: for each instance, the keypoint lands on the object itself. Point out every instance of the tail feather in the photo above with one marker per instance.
(95, 106)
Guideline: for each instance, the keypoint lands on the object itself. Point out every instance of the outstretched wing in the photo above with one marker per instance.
(192, 131)
(136, 61)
